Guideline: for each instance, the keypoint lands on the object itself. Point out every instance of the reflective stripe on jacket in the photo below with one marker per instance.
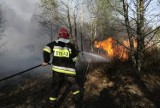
(65, 70)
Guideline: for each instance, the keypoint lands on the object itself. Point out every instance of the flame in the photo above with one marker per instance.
(112, 48)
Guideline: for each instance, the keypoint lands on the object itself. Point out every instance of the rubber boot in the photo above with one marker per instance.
(53, 104)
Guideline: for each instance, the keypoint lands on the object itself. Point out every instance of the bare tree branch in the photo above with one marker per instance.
(151, 46)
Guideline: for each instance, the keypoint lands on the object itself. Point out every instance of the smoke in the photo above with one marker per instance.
(23, 35)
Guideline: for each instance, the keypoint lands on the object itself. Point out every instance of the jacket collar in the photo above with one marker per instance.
(62, 40)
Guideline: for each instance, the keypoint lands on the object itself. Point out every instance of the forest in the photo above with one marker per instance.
(119, 52)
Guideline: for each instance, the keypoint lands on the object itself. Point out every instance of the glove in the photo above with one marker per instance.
(44, 64)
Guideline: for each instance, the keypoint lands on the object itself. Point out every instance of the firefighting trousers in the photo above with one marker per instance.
(58, 82)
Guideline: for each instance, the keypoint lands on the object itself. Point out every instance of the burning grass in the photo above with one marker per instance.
(114, 49)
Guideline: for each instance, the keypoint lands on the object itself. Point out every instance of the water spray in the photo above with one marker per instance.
(96, 57)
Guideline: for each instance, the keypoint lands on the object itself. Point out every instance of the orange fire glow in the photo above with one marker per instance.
(112, 48)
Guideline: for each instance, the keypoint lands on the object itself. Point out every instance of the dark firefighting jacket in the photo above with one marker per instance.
(64, 56)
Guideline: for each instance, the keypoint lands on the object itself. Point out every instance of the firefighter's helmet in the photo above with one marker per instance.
(63, 33)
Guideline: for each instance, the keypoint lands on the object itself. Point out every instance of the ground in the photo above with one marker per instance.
(102, 89)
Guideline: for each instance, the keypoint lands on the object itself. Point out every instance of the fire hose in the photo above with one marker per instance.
(20, 72)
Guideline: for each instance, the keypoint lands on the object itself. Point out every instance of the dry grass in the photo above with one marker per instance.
(121, 88)
(28, 93)
(95, 83)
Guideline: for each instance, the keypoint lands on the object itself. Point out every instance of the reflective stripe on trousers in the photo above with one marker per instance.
(76, 92)
(52, 98)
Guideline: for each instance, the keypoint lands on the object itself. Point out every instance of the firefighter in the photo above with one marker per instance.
(63, 65)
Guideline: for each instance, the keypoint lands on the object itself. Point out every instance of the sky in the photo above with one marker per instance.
(22, 36)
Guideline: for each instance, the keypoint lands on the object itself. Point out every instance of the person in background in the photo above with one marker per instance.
(63, 65)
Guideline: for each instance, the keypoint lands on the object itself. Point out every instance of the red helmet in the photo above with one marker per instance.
(63, 33)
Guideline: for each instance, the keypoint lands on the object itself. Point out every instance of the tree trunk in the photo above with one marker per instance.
(140, 34)
(91, 42)
(75, 26)
(69, 19)
(129, 32)
(81, 25)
